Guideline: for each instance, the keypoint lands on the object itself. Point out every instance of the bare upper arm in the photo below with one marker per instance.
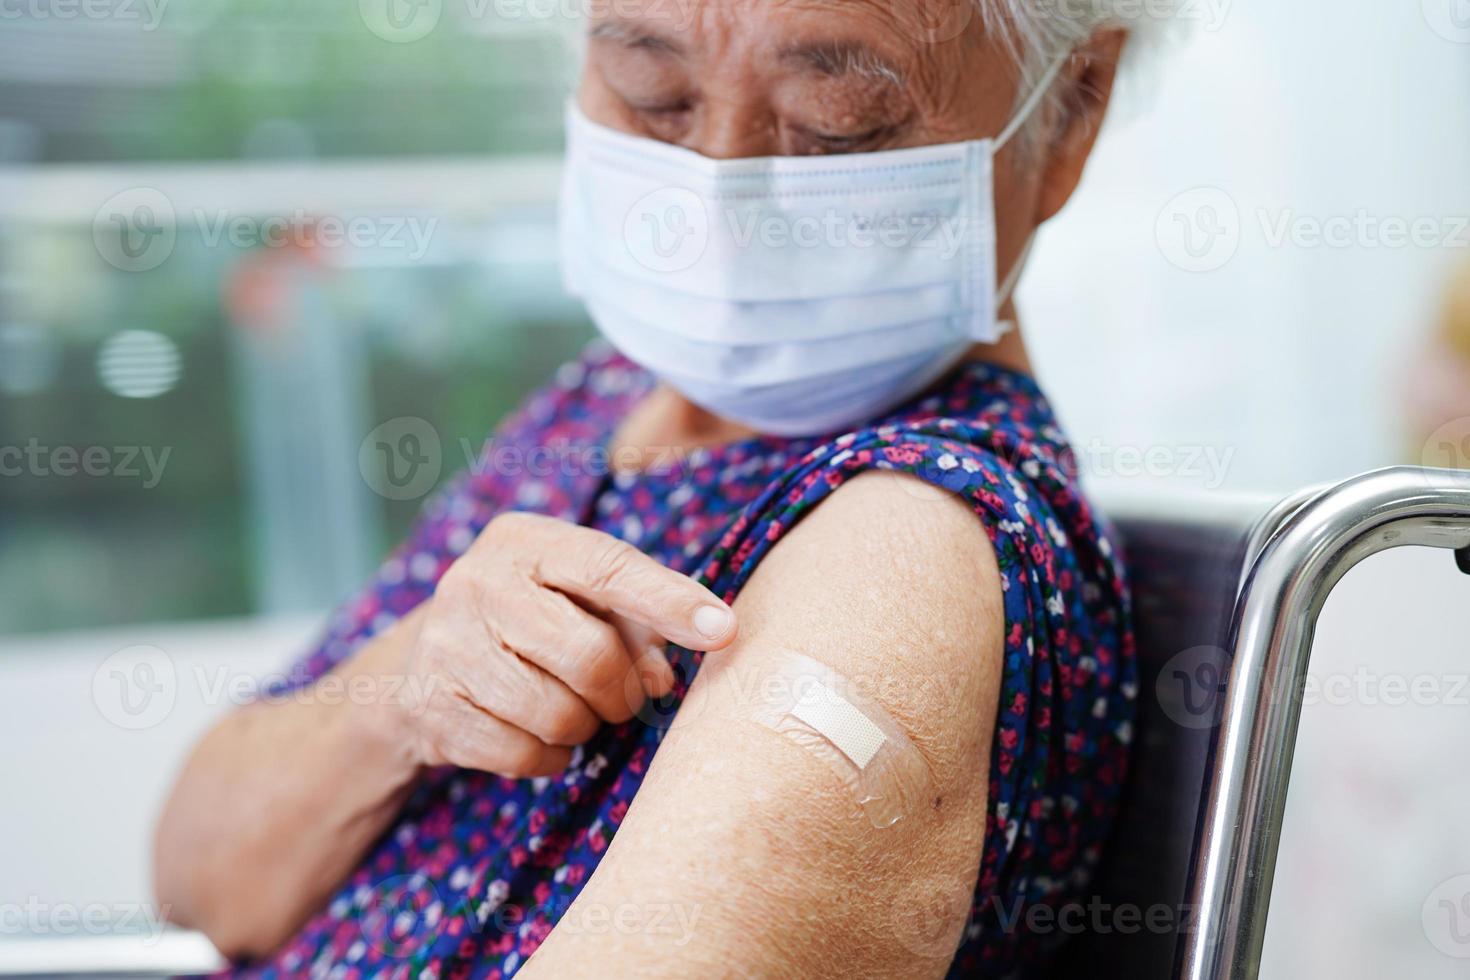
(747, 848)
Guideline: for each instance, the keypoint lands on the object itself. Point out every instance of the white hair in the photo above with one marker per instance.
(1038, 33)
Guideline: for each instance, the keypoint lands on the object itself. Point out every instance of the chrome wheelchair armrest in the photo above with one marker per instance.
(1276, 615)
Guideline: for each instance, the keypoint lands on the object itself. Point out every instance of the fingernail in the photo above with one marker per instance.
(712, 622)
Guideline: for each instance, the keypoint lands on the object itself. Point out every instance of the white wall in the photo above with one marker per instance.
(82, 779)
(1375, 839)
(1286, 356)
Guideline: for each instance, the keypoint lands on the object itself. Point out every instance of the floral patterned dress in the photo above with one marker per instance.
(476, 870)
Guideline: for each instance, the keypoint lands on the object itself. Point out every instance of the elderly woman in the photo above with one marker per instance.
(569, 729)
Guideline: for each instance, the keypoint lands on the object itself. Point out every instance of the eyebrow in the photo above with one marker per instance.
(839, 58)
(634, 36)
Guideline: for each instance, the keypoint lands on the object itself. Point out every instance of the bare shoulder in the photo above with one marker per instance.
(893, 586)
(891, 578)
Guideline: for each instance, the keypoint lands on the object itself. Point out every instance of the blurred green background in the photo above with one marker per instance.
(228, 79)
(253, 366)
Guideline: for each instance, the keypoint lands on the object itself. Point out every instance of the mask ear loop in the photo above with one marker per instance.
(1033, 101)
(1009, 286)
(1027, 110)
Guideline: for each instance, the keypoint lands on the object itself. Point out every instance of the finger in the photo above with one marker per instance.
(647, 648)
(474, 739)
(466, 643)
(583, 651)
(613, 575)
(529, 698)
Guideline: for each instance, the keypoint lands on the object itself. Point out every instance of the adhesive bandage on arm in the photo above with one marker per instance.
(827, 714)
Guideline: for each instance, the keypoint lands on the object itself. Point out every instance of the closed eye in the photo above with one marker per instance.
(662, 108)
(846, 142)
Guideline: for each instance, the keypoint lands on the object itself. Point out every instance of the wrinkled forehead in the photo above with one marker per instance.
(891, 38)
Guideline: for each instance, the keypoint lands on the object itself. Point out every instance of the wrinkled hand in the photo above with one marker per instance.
(538, 633)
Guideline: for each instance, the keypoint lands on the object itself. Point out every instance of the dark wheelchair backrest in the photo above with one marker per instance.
(1226, 596)
(1186, 558)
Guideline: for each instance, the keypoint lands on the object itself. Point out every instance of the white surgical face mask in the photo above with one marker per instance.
(795, 295)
